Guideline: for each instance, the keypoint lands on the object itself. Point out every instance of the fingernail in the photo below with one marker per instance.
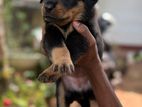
(76, 24)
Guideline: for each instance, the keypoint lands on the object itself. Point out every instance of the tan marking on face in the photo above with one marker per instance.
(65, 16)
(68, 15)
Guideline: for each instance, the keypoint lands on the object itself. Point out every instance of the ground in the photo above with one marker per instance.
(130, 91)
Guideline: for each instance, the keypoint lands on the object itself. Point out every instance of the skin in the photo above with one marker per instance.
(104, 93)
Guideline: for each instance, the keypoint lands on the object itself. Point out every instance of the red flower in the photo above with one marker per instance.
(7, 102)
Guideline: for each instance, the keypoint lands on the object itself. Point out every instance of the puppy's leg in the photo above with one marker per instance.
(84, 102)
(53, 44)
(60, 94)
(61, 60)
(59, 54)
(49, 76)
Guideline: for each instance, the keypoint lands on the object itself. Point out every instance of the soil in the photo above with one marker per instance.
(130, 91)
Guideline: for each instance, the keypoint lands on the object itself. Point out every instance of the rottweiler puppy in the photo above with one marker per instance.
(64, 45)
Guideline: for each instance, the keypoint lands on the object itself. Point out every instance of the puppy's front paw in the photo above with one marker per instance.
(48, 76)
(64, 67)
(61, 60)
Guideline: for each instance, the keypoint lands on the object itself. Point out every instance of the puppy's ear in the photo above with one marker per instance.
(91, 3)
(41, 1)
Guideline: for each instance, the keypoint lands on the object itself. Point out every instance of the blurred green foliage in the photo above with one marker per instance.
(138, 57)
(18, 28)
(25, 93)
(21, 88)
(8, 10)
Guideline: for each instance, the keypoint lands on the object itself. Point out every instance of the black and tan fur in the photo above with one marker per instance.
(64, 45)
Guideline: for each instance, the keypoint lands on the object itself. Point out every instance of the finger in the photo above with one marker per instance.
(84, 31)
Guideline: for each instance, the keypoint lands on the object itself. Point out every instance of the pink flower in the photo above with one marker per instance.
(7, 102)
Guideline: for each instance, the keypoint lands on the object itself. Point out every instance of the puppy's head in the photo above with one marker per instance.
(62, 12)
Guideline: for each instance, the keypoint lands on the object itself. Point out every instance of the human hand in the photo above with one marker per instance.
(84, 31)
(90, 64)
(92, 53)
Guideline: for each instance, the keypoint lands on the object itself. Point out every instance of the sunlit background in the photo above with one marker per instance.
(21, 59)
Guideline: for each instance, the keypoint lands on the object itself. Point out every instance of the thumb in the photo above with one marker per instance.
(84, 31)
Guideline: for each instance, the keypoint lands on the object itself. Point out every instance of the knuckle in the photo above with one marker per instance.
(82, 29)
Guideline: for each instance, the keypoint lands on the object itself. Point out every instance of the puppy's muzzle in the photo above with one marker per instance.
(49, 5)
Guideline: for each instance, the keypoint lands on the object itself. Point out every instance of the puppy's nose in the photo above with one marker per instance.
(49, 6)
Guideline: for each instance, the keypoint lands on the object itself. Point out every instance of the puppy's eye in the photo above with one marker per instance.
(69, 3)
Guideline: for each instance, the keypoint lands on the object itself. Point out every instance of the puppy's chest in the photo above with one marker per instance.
(78, 84)
(76, 44)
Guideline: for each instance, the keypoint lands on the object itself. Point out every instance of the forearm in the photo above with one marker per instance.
(91, 64)
(101, 86)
